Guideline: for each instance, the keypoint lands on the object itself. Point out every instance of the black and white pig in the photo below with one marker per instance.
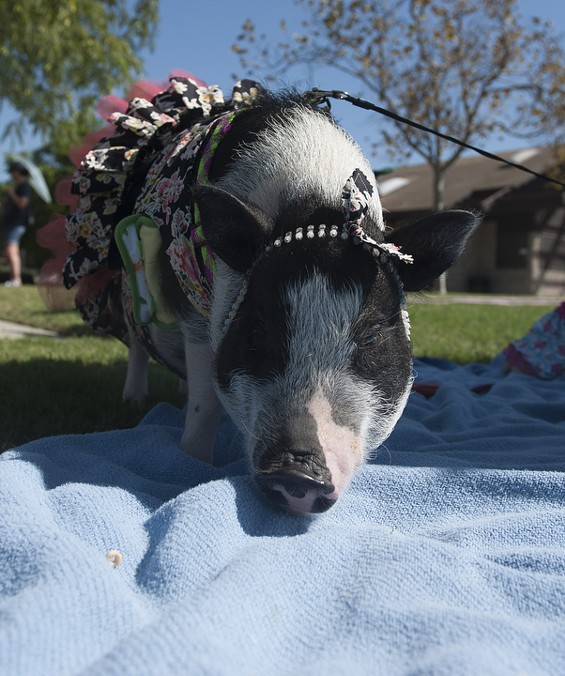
(308, 346)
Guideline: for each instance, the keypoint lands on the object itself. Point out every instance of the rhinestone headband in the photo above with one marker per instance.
(355, 199)
(345, 231)
(381, 250)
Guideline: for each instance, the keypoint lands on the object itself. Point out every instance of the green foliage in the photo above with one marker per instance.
(57, 58)
(42, 213)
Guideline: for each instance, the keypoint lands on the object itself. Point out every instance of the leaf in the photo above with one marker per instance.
(52, 70)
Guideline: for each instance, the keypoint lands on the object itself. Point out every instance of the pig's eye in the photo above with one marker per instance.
(258, 333)
(366, 339)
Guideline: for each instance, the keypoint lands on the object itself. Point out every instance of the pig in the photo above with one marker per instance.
(306, 342)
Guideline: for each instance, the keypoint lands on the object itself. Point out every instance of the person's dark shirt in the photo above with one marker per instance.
(13, 215)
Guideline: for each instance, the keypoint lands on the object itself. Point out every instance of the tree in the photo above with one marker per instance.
(57, 58)
(467, 68)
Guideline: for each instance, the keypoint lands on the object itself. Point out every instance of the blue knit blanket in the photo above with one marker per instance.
(120, 555)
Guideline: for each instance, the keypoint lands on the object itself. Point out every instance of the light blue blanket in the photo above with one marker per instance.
(446, 556)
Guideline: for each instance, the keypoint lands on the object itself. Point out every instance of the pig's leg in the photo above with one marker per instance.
(204, 410)
(135, 387)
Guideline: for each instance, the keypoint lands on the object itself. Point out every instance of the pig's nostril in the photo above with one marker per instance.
(322, 504)
(287, 489)
(297, 490)
(295, 478)
(295, 483)
(297, 487)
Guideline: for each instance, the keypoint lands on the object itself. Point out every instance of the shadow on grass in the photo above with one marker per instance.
(45, 397)
(80, 330)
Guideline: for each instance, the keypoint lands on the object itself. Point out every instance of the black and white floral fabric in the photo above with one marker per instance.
(143, 167)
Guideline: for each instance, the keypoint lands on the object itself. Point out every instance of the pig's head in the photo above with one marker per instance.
(312, 344)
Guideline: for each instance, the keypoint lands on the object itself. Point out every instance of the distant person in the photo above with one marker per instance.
(16, 216)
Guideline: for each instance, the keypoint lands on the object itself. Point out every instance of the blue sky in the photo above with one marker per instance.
(197, 36)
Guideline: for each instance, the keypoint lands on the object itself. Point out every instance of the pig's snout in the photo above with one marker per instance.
(292, 481)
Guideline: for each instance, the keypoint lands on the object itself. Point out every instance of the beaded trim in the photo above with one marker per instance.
(381, 250)
(353, 231)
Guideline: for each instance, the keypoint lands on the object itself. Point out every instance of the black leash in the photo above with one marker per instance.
(323, 96)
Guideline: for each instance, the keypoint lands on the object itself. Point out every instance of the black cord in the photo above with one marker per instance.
(323, 95)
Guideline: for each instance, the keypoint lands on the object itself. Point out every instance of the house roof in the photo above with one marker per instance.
(471, 181)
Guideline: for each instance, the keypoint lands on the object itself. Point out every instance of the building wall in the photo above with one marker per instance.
(476, 270)
(542, 269)
(548, 269)
(474, 267)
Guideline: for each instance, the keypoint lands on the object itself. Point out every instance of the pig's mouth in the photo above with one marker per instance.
(296, 481)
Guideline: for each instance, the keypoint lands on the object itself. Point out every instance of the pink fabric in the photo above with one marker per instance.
(541, 352)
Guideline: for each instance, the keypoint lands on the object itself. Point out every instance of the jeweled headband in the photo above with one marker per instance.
(355, 199)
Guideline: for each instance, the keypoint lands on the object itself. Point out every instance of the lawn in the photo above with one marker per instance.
(65, 385)
(72, 384)
(466, 333)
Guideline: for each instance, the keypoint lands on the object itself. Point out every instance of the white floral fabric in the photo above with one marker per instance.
(159, 147)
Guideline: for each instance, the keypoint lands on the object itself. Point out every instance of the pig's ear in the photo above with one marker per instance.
(435, 243)
(236, 230)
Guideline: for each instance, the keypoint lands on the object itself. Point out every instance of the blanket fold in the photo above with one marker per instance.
(446, 555)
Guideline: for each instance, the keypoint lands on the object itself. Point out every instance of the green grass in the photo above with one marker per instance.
(25, 306)
(65, 385)
(69, 385)
(73, 384)
(466, 333)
